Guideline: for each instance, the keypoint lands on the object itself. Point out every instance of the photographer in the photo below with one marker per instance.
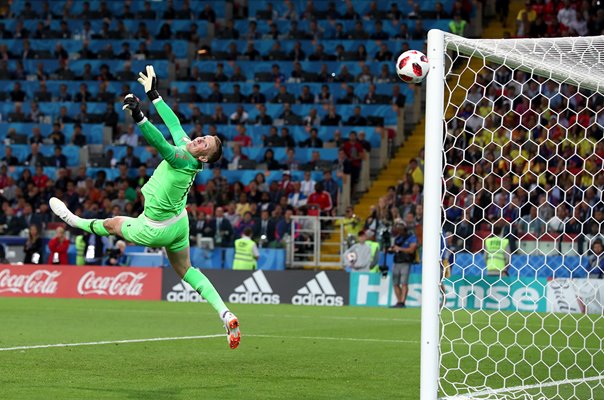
(116, 256)
(404, 250)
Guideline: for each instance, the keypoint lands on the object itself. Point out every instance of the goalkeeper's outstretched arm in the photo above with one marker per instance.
(149, 82)
(173, 155)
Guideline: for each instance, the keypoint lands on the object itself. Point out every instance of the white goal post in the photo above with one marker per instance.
(530, 332)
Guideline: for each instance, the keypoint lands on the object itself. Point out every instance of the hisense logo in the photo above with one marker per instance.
(318, 292)
(255, 290)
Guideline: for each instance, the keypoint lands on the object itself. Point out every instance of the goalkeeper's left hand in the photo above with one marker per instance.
(149, 82)
(133, 105)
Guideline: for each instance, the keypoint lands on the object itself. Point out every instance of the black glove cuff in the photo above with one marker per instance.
(137, 115)
(153, 95)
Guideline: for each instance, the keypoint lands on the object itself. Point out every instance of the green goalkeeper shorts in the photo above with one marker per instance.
(173, 233)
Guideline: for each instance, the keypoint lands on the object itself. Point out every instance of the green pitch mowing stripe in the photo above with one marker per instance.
(286, 351)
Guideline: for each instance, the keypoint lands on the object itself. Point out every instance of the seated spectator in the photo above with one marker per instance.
(208, 14)
(220, 76)
(314, 141)
(418, 32)
(130, 160)
(257, 97)
(263, 118)
(43, 94)
(319, 54)
(284, 96)
(9, 159)
(35, 158)
(296, 198)
(18, 115)
(345, 75)
(291, 164)
(358, 33)
(398, 99)
(307, 185)
(78, 138)
(330, 185)
(306, 97)
(216, 95)
(264, 229)
(287, 138)
(35, 115)
(56, 135)
(40, 179)
(129, 138)
(297, 54)
(324, 97)
(289, 117)
(332, 118)
(251, 53)
(371, 96)
(383, 54)
(355, 153)
(238, 156)
(165, 32)
(58, 159)
(242, 138)
(297, 73)
(240, 116)
(312, 119)
(228, 31)
(58, 247)
(350, 13)
(273, 139)
(361, 53)
(238, 75)
(339, 33)
(219, 117)
(83, 95)
(342, 164)
(357, 119)
(378, 33)
(17, 94)
(60, 52)
(244, 223)
(269, 160)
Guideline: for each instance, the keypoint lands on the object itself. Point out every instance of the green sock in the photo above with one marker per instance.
(92, 226)
(204, 287)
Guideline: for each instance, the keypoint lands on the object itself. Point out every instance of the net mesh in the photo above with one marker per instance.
(523, 220)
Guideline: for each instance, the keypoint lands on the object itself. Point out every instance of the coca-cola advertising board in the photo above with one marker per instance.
(80, 282)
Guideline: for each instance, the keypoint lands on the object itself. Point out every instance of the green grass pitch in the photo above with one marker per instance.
(286, 351)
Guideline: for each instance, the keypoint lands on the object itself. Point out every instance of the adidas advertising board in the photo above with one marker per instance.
(183, 292)
(326, 288)
(318, 291)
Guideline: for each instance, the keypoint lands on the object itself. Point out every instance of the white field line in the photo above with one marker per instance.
(472, 395)
(159, 339)
(174, 338)
(166, 339)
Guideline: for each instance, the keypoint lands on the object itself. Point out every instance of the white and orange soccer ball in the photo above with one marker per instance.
(412, 66)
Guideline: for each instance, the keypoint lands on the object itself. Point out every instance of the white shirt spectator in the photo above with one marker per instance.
(307, 187)
(129, 139)
(567, 15)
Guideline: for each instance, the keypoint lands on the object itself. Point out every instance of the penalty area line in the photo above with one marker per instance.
(472, 395)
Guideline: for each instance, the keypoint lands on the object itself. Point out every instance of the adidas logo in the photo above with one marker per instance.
(182, 292)
(255, 290)
(318, 292)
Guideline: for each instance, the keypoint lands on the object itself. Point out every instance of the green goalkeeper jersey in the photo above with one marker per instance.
(166, 191)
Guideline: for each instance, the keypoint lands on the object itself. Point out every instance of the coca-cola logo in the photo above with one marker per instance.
(122, 284)
(38, 282)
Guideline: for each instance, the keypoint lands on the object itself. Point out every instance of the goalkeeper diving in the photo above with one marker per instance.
(164, 221)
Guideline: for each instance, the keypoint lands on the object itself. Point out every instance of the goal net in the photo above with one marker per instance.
(513, 190)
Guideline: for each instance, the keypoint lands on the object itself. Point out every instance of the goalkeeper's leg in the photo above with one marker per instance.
(181, 262)
(100, 227)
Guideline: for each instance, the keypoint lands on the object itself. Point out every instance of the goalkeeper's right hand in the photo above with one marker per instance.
(133, 105)
(149, 82)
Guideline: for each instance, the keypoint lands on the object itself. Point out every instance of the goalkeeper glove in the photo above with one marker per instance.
(133, 105)
(149, 82)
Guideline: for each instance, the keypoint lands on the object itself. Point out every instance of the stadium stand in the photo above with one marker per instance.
(264, 79)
